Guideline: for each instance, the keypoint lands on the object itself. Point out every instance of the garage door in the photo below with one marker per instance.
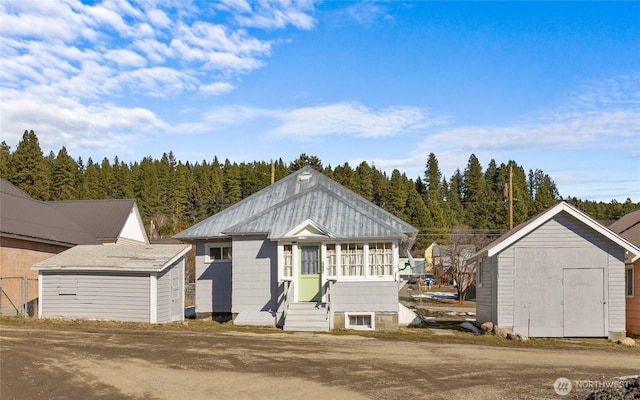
(584, 303)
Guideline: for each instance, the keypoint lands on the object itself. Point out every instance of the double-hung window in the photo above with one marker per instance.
(218, 252)
(352, 259)
(380, 259)
(628, 281)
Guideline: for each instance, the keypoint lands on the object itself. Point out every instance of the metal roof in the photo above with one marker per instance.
(303, 195)
(628, 227)
(104, 219)
(124, 258)
(30, 219)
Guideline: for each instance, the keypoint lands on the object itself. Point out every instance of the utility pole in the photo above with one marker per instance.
(273, 172)
(510, 197)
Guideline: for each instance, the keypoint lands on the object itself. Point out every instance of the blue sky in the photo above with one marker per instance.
(554, 86)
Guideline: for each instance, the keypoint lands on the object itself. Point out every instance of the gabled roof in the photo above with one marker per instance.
(303, 195)
(125, 258)
(533, 223)
(628, 227)
(104, 219)
(29, 219)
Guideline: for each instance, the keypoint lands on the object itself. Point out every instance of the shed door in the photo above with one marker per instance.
(176, 289)
(584, 303)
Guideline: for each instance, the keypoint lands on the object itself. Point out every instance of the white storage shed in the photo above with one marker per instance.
(134, 283)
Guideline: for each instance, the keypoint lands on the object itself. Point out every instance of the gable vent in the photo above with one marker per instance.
(305, 177)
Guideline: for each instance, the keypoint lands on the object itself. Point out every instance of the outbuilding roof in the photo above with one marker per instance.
(104, 219)
(533, 223)
(124, 258)
(305, 195)
(628, 227)
(30, 219)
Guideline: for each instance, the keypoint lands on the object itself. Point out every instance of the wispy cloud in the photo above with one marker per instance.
(315, 123)
(65, 63)
(349, 119)
(272, 14)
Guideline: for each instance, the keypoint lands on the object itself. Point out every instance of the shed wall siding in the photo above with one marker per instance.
(483, 293)
(164, 296)
(616, 301)
(255, 275)
(103, 296)
(213, 283)
(365, 296)
(505, 281)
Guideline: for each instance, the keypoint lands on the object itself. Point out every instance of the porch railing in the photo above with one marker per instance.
(284, 304)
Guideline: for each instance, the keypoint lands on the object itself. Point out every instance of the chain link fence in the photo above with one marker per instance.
(19, 296)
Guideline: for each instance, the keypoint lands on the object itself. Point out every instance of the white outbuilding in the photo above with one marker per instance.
(134, 283)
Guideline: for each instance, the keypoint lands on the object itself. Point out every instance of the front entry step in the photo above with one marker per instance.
(307, 317)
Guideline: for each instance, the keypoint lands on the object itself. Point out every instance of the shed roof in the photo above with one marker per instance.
(628, 227)
(124, 258)
(303, 195)
(533, 223)
(30, 219)
(104, 219)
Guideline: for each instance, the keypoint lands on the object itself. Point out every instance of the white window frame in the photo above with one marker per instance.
(371, 315)
(479, 273)
(373, 252)
(331, 269)
(221, 246)
(629, 274)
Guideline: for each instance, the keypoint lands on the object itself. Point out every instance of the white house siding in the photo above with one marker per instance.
(213, 283)
(170, 286)
(95, 295)
(133, 229)
(369, 296)
(255, 275)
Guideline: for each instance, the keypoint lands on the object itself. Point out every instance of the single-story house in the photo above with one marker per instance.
(629, 228)
(136, 283)
(559, 274)
(305, 253)
(30, 231)
(111, 221)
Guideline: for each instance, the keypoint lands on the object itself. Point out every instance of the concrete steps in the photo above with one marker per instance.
(307, 317)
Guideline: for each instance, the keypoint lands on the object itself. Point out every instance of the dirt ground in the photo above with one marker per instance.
(86, 363)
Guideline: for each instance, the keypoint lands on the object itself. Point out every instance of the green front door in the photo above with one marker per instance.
(309, 273)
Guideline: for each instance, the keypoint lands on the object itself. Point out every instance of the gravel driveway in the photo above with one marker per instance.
(51, 363)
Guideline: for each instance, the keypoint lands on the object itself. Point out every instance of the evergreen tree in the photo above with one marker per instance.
(454, 200)
(398, 195)
(380, 188)
(305, 160)
(5, 157)
(418, 215)
(29, 169)
(433, 177)
(93, 189)
(345, 176)
(543, 189)
(232, 184)
(365, 181)
(474, 195)
(64, 177)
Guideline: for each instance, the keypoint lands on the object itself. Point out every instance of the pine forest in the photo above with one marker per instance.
(173, 195)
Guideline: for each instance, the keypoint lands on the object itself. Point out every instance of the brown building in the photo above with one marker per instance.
(629, 228)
